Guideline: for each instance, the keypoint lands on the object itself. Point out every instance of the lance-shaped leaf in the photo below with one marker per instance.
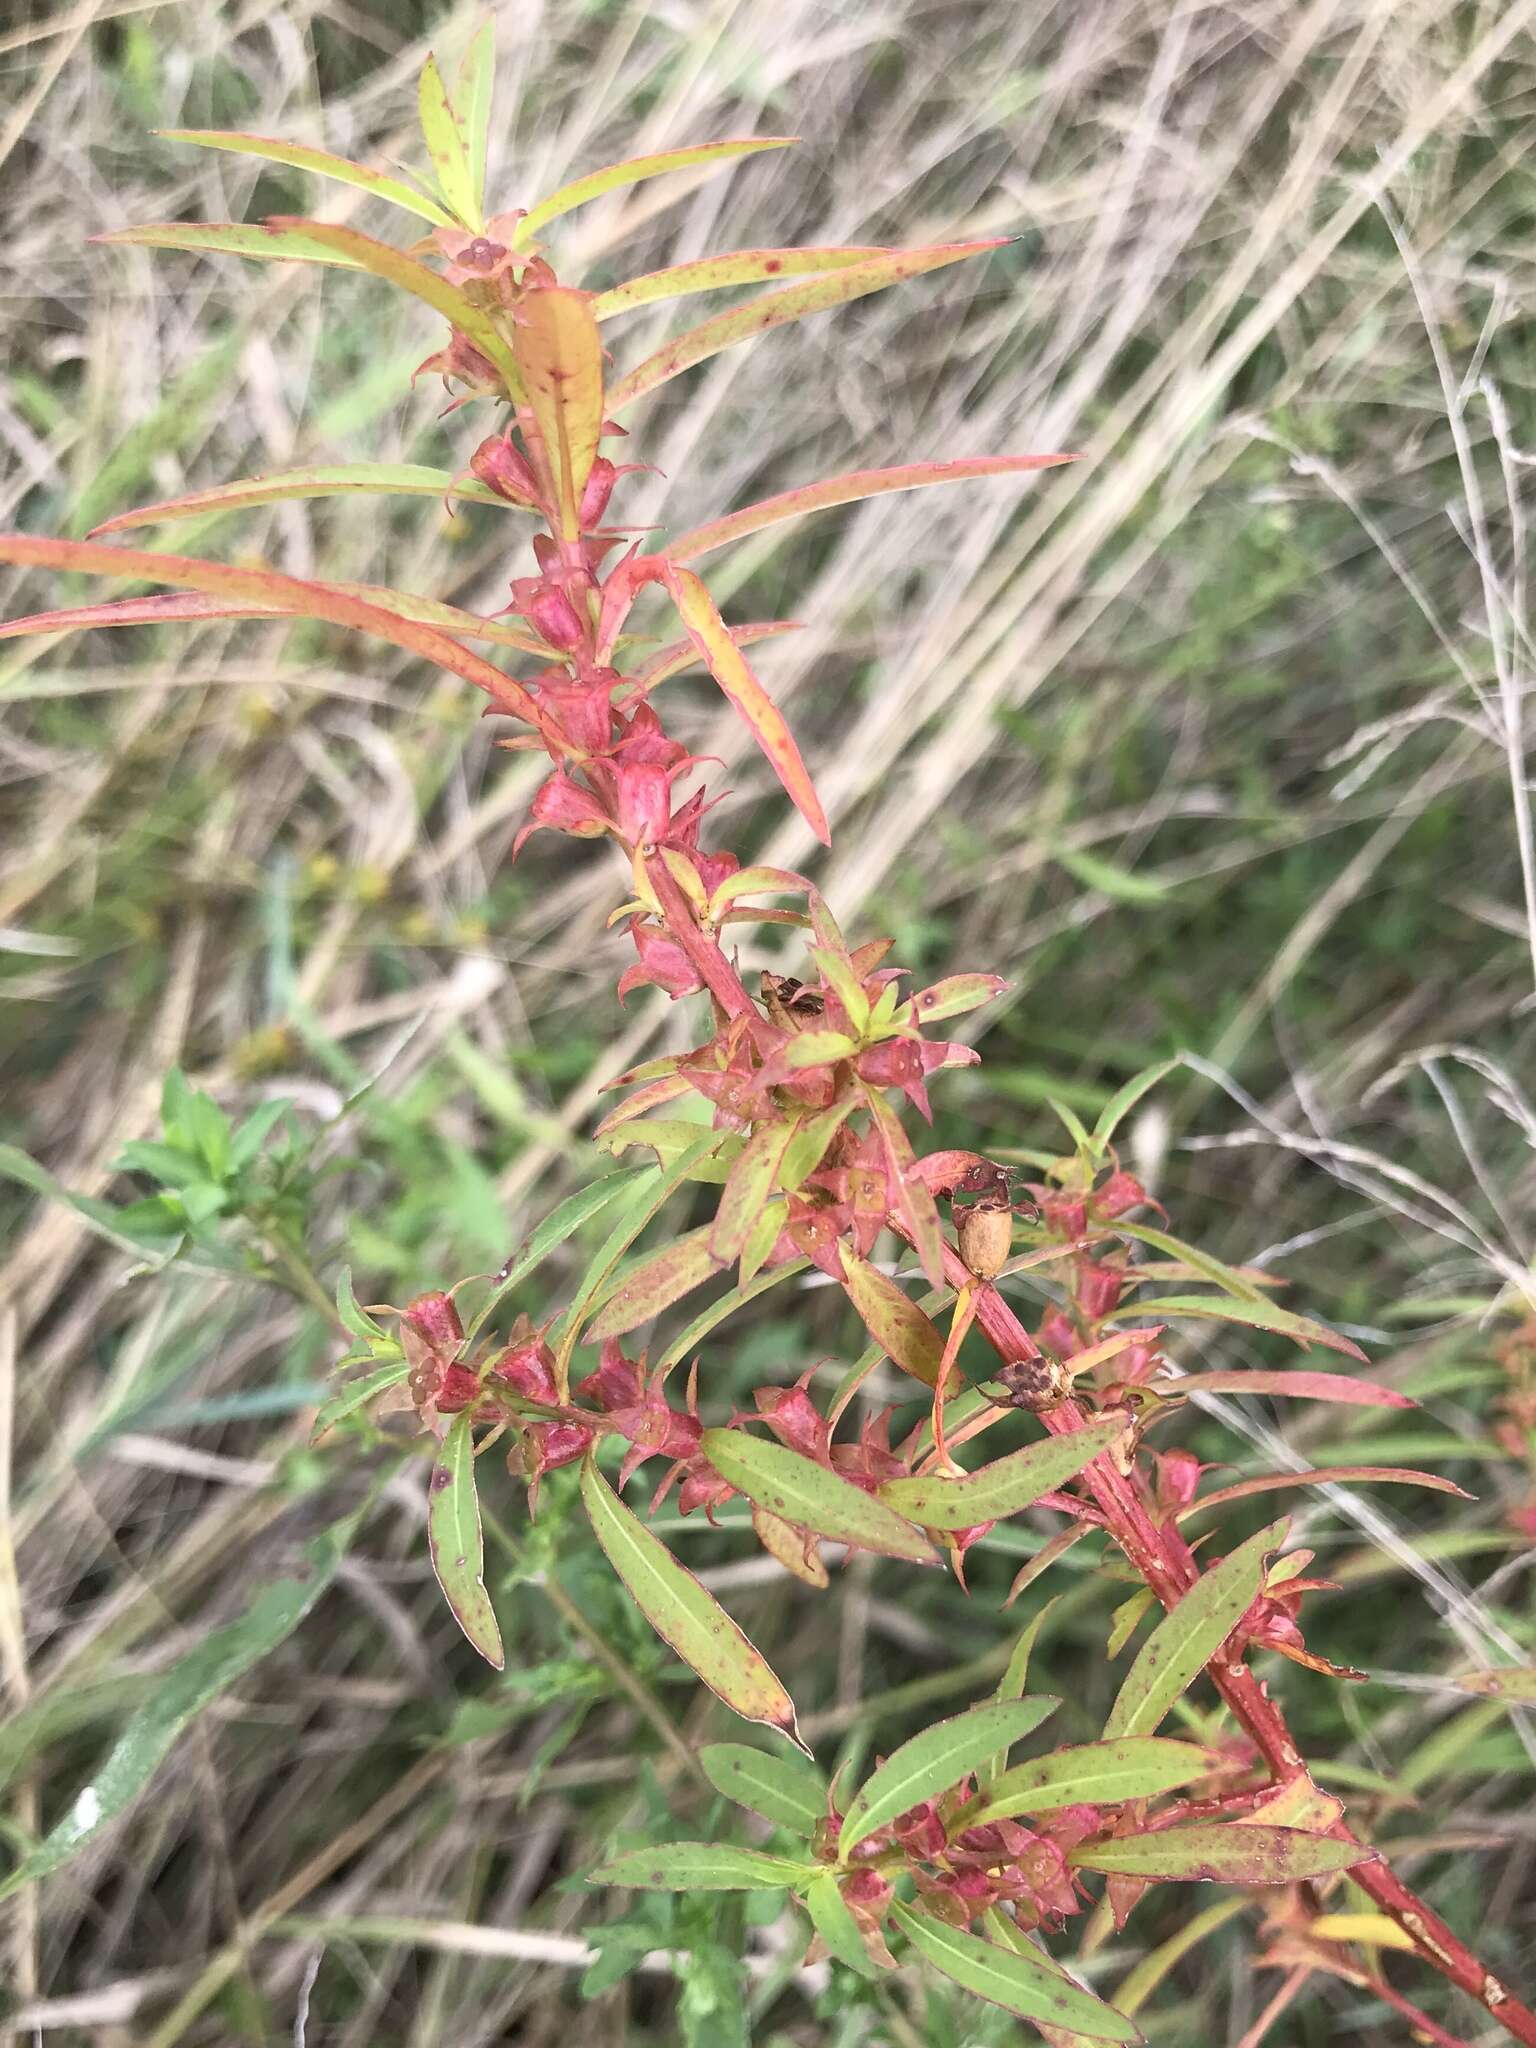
(683, 1614)
(914, 1211)
(1299, 1386)
(799, 1490)
(472, 87)
(1096, 1773)
(834, 1922)
(447, 144)
(1190, 1634)
(300, 157)
(936, 1760)
(263, 241)
(907, 1336)
(956, 994)
(655, 1284)
(773, 309)
(613, 177)
(357, 1394)
(337, 480)
(1246, 1286)
(784, 1789)
(1125, 1099)
(456, 1542)
(1254, 1315)
(179, 1694)
(682, 655)
(1006, 1486)
(754, 1176)
(719, 273)
(396, 268)
(726, 1305)
(728, 665)
(561, 1222)
(269, 590)
(701, 1867)
(1223, 1853)
(561, 360)
(1023, 1984)
(1325, 1475)
(848, 489)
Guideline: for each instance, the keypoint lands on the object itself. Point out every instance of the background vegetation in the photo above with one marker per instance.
(1213, 742)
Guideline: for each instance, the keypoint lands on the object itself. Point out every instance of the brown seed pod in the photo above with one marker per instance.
(1034, 1383)
(986, 1238)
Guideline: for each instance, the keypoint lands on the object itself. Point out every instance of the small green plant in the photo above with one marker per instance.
(953, 1850)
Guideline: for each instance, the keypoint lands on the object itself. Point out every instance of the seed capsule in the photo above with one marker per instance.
(1035, 1383)
(986, 1238)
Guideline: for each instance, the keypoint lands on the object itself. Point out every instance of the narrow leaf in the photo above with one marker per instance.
(682, 655)
(1013, 1681)
(915, 1211)
(753, 1179)
(1021, 1984)
(700, 1867)
(1097, 1773)
(718, 273)
(339, 480)
(773, 309)
(561, 1222)
(561, 359)
(936, 1760)
(472, 88)
(1326, 1475)
(728, 665)
(848, 489)
(1300, 1386)
(612, 177)
(447, 145)
(1190, 1634)
(908, 1337)
(1255, 1315)
(357, 1394)
(798, 1490)
(1223, 1853)
(1006, 1486)
(182, 1692)
(834, 1922)
(268, 241)
(653, 1286)
(956, 994)
(300, 157)
(784, 1789)
(1125, 1099)
(456, 1542)
(683, 1614)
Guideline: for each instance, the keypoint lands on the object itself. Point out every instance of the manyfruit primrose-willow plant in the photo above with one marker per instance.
(948, 1846)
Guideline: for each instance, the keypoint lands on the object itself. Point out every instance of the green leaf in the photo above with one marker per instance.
(456, 1543)
(710, 1318)
(353, 1317)
(956, 994)
(1224, 1852)
(773, 309)
(104, 1218)
(683, 1613)
(832, 1920)
(797, 1489)
(181, 1693)
(561, 1222)
(700, 1867)
(1097, 1773)
(1015, 1675)
(816, 1049)
(612, 177)
(298, 156)
(784, 1789)
(654, 1285)
(1125, 1099)
(914, 1211)
(808, 1147)
(1226, 1277)
(1121, 885)
(266, 242)
(1253, 1315)
(1006, 1486)
(722, 273)
(1190, 1634)
(472, 89)
(937, 1759)
(447, 145)
(334, 480)
(1021, 1984)
(752, 1180)
(560, 356)
(907, 1336)
(357, 1394)
(254, 1130)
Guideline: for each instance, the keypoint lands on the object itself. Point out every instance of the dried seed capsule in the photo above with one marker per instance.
(1035, 1383)
(986, 1238)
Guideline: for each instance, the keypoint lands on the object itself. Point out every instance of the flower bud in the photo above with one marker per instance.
(596, 492)
(434, 1318)
(554, 616)
(502, 469)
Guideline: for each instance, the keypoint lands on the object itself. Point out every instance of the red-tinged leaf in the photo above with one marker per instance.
(456, 1543)
(654, 1286)
(849, 489)
(447, 145)
(300, 157)
(612, 177)
(915, 1210)
(956, 994)
(1007, 1486)
(561, 360)
(753, 1179)
(930, 1763)
(264, 241)
(1513, 1682)
(1027, 1984)
(728, 666)
(701, 1867)
(719, 273)
(1253, 1315)
(1300, 1386)
(815, 1049)
(291, 595)
(907, 1336)
(654, 1095)
(773, 309)
(1190, 1634)
(1325, 1475)
(1223, 1853)
(683, 655)
(757, 882)
(811, 1496)
(683, 1614)
(1096, 1773)
(1049, 1553)
(396, 268)
(669, 1138)
(340, 480)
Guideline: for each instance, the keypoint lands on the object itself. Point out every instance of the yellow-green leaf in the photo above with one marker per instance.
(1095, 1773)
(1223, 1853)
(799, 1490)
(700, 1867)
(300, 157)
(1008, 1484)
(937, 1759)
(456, 1542)
(908, 1337)
(447, 145)
(613, 177)
(561, 359)
(333, 480)
(655, 1284)
(1019, 1983)
(784, 1789)
(718, 273)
